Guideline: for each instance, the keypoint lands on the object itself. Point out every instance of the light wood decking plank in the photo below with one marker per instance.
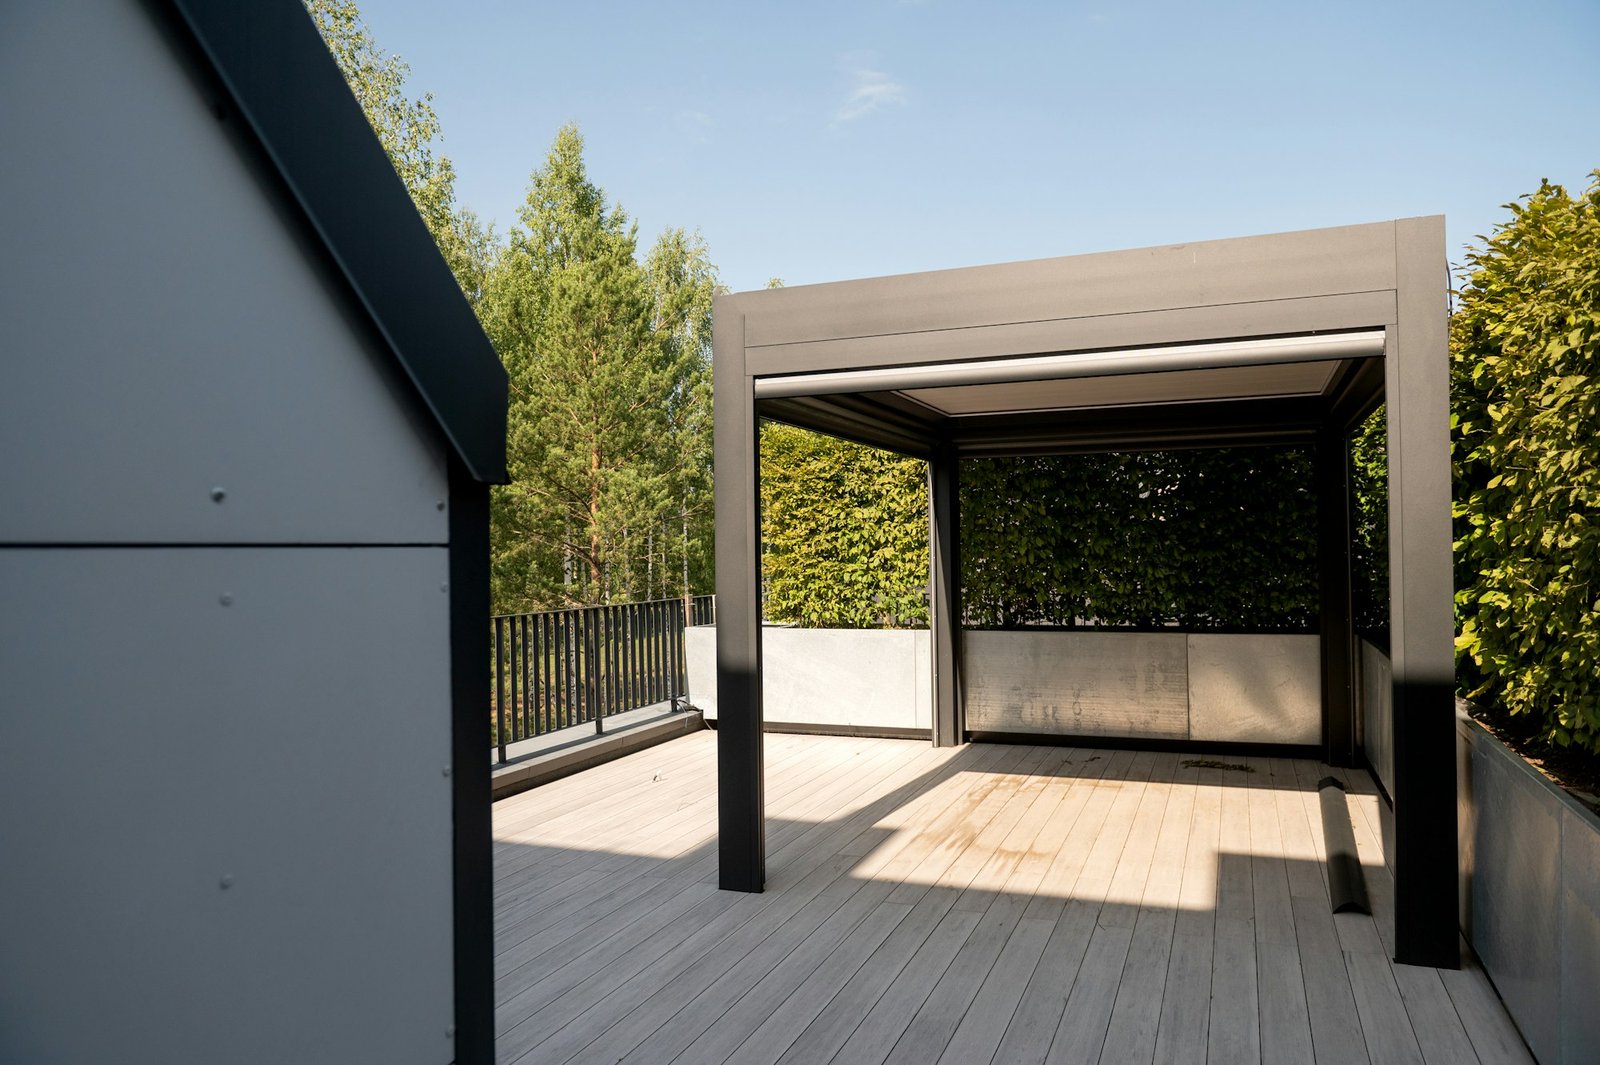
(960, 905)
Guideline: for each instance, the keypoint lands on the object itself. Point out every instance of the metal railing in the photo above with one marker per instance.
(558, 669)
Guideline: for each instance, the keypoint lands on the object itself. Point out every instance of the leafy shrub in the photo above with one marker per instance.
(1525, 353)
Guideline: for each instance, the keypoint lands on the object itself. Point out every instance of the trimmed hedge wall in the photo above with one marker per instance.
(844, 532)
(1525, 357)
(1205, 540)
(1202, 540)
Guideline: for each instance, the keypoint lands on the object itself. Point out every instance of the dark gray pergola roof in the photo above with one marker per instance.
(1290, 337)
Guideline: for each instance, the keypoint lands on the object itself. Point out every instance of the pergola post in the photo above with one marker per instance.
(1335, 608)
(741, 789)
(1422, 624)
(944, 601)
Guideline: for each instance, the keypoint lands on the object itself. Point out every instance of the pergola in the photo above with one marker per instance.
(1287, 338)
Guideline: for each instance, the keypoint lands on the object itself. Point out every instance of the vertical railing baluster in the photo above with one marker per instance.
(511, 671)
(591, 654)
(642, 697)
(551, 684)
(579, 711)
(629, 628)
(540, 710)
(586, 670)
(499, 688)
(601, 647)
(558, 664)
(610, 659)
(527, 676)
(680, 623)
(660, 650)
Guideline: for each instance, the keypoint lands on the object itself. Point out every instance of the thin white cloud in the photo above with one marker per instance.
(872, 90)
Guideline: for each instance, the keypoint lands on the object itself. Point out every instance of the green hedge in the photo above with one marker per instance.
(1198, 539)
(1525, 353)
(844, 532)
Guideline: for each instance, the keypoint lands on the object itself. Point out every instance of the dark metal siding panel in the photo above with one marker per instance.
(273, 63)
(1321, 262)
(741, 799)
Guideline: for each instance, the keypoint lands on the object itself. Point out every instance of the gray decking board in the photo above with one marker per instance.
(977, 904)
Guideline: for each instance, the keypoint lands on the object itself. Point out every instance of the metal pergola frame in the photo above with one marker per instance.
(854, 359)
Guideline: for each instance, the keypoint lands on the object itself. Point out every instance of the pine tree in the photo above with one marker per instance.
(610, 404)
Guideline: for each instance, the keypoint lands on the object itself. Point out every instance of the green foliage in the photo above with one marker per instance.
(1526, 381)
(1369, 554)
(1197, 539)
(609, 424)
(844, 532)
(609, 427)
(408, 129)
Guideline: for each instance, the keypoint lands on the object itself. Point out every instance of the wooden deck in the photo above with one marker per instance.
(983, 904)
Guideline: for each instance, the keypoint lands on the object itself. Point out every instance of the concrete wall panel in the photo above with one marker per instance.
(1516, 890)
(852, 678)
(1077, 683)
(1579, 1033)
(1376, 707)
(1255, 688)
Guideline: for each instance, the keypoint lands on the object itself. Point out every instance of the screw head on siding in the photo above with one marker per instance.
(226, 882)
(445, 771)
(225, 599)
(218, 494)
(450, 1032)
(438, 504)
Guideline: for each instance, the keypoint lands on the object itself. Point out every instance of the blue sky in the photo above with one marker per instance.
(818, 141)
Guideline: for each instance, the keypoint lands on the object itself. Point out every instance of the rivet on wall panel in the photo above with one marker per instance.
(218, 494)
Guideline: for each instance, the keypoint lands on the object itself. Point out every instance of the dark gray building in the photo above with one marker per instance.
(248, 423)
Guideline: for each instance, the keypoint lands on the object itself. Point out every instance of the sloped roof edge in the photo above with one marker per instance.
(291, 96)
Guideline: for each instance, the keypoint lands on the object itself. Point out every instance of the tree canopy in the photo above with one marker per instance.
(608, 354)
(609, 360)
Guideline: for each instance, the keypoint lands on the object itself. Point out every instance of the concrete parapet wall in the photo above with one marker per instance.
(843, 678)
(1217, 687)
(1376, 707)
(1249, 688)
(1530, 872)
